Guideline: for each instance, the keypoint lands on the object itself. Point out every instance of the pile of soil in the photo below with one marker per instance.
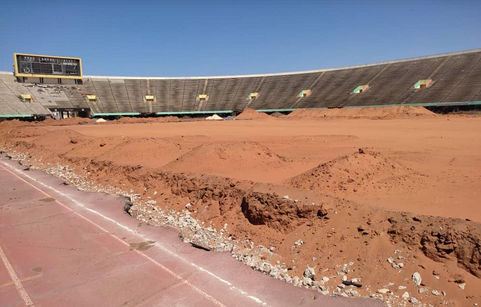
(138, 120)
(231, 156)
(66, 121)
(365, 112)
(362, 172)
(253, 114)
(152, 152)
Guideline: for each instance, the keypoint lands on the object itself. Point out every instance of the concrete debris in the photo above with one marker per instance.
(295, 281)
(310, 273)
(383, 291)
(307, 282)
(462, 286)
(351, 292)
(417, 279)
(299, 242)
(405, 295)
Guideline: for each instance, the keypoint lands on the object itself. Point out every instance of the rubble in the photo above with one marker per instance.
(417, 279)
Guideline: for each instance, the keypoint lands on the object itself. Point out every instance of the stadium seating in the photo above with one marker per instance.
(456, 77)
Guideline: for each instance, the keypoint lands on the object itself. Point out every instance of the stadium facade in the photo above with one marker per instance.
(439, 80)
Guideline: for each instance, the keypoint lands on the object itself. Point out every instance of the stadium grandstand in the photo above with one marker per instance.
(452, 79)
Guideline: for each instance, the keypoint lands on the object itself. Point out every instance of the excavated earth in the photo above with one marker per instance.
(351, 207)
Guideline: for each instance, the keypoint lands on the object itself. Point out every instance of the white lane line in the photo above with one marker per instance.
(144, 238)
(18, 285)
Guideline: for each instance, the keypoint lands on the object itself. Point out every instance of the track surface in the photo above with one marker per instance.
(63, 247)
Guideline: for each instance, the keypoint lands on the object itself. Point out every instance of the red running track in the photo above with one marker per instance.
(63, 247)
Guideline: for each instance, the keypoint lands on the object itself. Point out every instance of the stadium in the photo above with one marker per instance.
(434, 81)
(345, 186)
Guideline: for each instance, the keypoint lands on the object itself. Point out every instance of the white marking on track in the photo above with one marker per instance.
(18, 285)
(144, 238)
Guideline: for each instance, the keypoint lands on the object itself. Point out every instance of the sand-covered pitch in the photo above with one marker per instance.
(372, 200)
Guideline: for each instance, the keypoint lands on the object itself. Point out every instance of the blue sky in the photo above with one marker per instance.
(204, 38)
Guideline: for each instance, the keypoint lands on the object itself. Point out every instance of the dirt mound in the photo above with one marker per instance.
(13, 123)
(150, 151)
(61, 137)
(283, 215)
(361, 172)
(224, 157)
(253, 114)
(364, 112)
(66, 121)
(19, 132)
(139, 120)
(441, 239)
(307, 114)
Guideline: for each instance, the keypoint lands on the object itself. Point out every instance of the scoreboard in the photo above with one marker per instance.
(46, 66)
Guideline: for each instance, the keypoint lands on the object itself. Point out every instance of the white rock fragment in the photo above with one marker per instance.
(299, 242)
(310, 273)
(405, 295)
(435, 292)
(382, 291)
(307, 282)
(462, 286)
(351, 292)
(417, 279)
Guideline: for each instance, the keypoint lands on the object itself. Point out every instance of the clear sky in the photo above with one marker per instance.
(204, 38)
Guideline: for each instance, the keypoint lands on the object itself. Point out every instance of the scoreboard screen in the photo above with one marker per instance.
(31, 65)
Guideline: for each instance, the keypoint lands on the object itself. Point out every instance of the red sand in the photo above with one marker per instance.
(367, 112)
(416, 174)
(364, 172)
(253, 114)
